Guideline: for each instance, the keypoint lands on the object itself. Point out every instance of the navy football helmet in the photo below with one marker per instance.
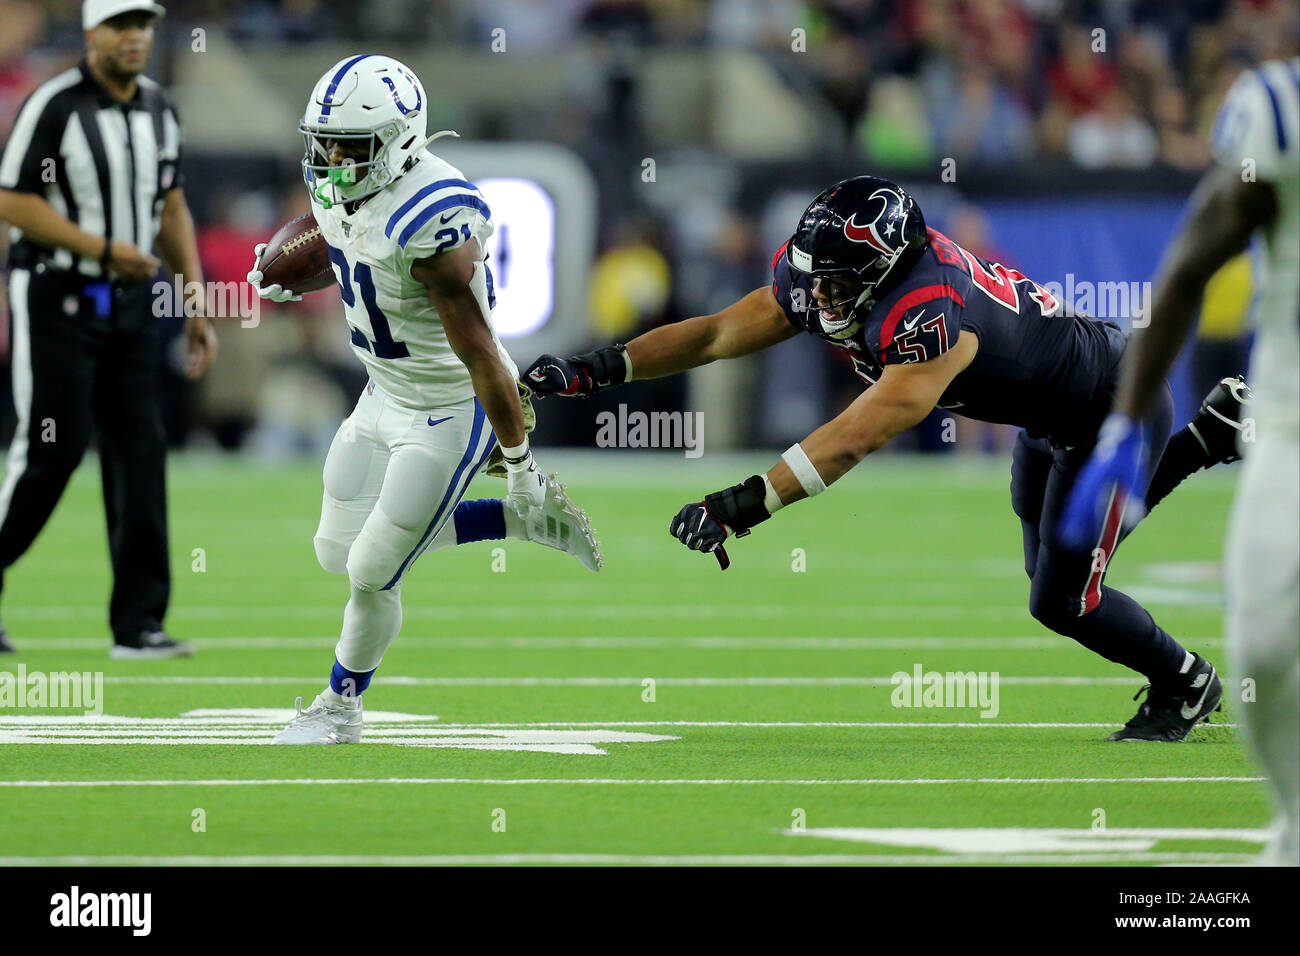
(866, 229)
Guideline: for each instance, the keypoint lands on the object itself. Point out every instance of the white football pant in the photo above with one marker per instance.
(393, 477)
(1263, 622)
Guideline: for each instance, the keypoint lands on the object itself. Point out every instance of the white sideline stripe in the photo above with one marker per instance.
(518, 612)
(618, 643)
(403, 681)
(522, 859)
(608, 781)
(235, 726)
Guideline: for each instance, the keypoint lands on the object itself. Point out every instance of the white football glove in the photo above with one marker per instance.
(276, 292)
(527, 487)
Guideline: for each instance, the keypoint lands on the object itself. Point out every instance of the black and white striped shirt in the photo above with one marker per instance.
(105, 165)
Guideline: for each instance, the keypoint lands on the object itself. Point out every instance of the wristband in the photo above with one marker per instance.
(607, 366)
(739, 507)
(771, 500)
(804, 470)
(516, 456)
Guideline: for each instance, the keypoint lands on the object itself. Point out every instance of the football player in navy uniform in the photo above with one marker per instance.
(929, 324)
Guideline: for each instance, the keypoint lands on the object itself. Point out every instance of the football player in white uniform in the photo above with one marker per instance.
(406, 234)
(1253, 192)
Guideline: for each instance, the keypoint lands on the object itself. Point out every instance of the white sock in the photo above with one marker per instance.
(371, 621)
(335, 699)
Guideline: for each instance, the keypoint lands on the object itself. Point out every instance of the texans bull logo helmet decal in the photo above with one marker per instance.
(869, 232)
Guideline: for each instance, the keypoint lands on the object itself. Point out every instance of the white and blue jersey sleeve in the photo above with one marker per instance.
(440, 216)
(1258, 129)
(1255, 131)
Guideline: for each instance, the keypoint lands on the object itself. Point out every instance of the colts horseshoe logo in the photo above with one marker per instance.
(419, 100)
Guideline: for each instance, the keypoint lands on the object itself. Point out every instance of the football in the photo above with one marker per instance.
(297, 257)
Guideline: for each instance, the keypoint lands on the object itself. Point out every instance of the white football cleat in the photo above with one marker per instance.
(562, 525)
(324, 723)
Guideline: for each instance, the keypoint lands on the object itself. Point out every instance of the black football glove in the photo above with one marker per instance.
(704, 525)
(697, 529)
(581, 375)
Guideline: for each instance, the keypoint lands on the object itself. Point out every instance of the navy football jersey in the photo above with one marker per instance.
(1050, 373)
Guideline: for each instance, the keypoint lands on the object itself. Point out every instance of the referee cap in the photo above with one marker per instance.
(95, 12)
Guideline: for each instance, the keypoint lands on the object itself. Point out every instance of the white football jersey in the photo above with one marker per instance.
(396, 331)
(1257, 133)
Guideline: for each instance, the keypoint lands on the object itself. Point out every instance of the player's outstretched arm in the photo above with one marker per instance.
(901, 398)
(1223, 213)
(447, 278)
(748, 325)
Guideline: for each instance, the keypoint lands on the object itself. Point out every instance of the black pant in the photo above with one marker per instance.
(1066, 592)
(86, 356)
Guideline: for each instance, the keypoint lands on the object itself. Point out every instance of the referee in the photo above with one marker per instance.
(90, 183)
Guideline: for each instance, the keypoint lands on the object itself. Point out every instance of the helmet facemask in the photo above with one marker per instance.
(364, 171)
(851, 307)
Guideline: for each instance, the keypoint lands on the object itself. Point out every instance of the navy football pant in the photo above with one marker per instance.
(1067, 593)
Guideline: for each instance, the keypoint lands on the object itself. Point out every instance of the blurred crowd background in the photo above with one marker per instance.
(1052, 135)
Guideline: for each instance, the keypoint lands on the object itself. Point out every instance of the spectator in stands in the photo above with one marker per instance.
(1113, 135)
(1079, 79)
(288, 21)
(21, 69)
(974, 116)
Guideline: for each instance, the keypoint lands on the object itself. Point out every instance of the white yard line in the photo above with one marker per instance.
(518, 612)
(1036, 642)
(181, 726)
(761, 681)
(620, 859)
(608, 781)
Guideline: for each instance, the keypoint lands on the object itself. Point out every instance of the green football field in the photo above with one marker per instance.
(661, 711)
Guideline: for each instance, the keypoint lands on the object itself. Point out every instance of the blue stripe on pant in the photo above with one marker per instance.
(455, 490)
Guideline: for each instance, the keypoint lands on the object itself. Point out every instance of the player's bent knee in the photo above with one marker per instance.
(380, 555)
(368, 573)
(1050, 608)
(332, 555)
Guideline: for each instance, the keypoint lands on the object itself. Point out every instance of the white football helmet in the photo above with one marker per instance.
(373, 108)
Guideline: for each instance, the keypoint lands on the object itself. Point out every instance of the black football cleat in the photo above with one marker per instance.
(1172, 710)
(6, 646)
(150, 645)
(1217, 423)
